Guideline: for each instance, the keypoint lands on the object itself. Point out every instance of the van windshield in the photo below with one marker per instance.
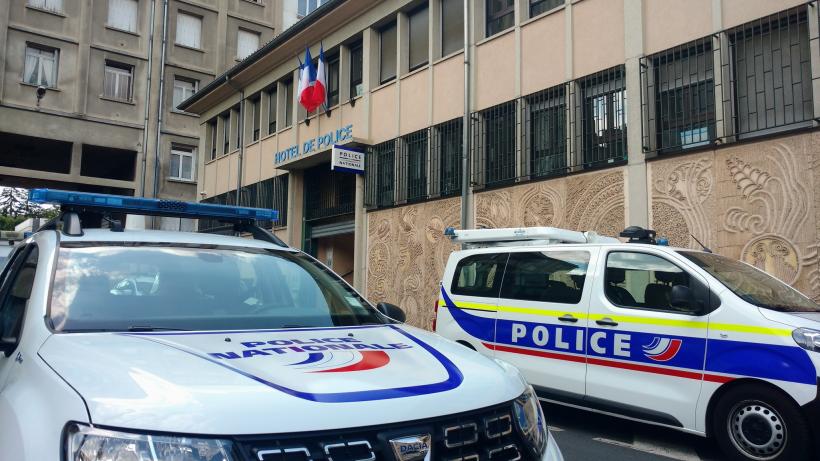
(145, 287)
(752, 285)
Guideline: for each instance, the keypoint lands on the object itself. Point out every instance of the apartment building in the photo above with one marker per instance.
(89, 89)
(698, 119)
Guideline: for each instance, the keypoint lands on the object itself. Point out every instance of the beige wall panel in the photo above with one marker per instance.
(755, 202)
(223, 175)
(448, 89)
(542, 52)
(592, 201)
(383, 120)
(670, 23)
(250, 167)
(330, 124)
(495, 67)
(309, 132)
(210, 180)
(287, 138)
(353, 116)
(598, 36)
(267, 150)
(736, 12)
(415, 100)
(406, 252)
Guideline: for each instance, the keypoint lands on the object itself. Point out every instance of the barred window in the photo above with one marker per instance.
(771, 72)
(546, 123)
(380, 168)
(272, 194)
(415, 153)
(500, 16)
(540, 6)
(450, 143)
(603, 117)
(497, 129)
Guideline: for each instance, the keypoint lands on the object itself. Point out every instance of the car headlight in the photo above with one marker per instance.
(807, 339)
(530, 422)
(84, 443)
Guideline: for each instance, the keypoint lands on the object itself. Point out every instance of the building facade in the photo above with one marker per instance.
(698, 119)
(88, 89)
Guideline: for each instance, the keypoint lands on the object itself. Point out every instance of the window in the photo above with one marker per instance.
(272, 105)
(539, 6)
(499, 143)
(226, 133)
(547, 277)
(356, 70)
(41, 66)
(500, 15)
(182, 163)
(450, 145)
(236, 121)
(246, 43)
(772, 72)
(385, 155)
(272, 194)
(212, 133)
(49, 5)
(419, 38)
(189, 30)
(642, 281)
(288, 103)
(479, 275)
(387, 54)
(547, 125)
(184, 88)
(415, 147)
(13, 307)
(603, 117)
(122, 14)
(306, 7)
(256, 114)
(452, 26)
(333, 81)
(118, 81)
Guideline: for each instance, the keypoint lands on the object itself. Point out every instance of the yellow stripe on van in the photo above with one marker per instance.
(626, 319)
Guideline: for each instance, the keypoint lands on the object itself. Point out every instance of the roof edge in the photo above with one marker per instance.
(286, 35)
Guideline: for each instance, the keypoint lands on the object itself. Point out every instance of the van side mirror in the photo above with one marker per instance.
(683, 298)
(392, 311)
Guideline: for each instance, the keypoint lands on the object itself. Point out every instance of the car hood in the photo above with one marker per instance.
(274, 381)
(793, 319)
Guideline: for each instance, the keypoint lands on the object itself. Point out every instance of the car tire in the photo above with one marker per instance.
(758, 423)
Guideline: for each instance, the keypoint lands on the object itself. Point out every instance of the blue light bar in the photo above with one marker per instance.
(148, 206)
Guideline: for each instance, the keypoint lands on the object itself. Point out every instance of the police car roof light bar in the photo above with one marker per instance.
(521, 235)
(85, 201)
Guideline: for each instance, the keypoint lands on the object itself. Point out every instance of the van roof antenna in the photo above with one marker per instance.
(701, 245)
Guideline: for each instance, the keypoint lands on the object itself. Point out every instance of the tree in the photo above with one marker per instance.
(14, 203)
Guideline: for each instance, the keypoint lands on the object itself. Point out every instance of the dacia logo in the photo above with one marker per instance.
(412, 448)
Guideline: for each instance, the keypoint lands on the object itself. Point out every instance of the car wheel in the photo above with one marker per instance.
(758, 423)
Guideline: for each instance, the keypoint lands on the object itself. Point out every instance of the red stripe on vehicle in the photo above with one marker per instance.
(370, 361)
(544, 354)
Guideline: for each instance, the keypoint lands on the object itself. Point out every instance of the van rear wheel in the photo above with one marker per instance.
(758, 423)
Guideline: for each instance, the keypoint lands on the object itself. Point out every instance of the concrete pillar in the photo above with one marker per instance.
(83, 57)
(4, 32)
(76, 159)
(360, 238)
(635, 181)
(296, 208)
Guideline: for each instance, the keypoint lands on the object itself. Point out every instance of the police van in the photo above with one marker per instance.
(119, 344)
(674, 337)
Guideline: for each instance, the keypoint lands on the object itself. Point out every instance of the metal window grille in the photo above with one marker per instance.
(446, 147)
(679, 102)
(494, 135)
(328, 193)
(544, 133)
(500, 15)
(414, 160)
(540, 6)
(600, 118)
(380, 181)
(769, 72)
(273, 194)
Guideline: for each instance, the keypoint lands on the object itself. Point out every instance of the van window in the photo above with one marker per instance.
(13, 305)
(642, 281)
(550, 277)
(479, 275)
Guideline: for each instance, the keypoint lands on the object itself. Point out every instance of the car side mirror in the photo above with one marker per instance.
(392, 311)
(683, 298)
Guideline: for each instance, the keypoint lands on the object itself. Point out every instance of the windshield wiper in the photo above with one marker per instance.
(152, 328)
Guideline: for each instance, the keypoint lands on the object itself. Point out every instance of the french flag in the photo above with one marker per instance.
(312, 82)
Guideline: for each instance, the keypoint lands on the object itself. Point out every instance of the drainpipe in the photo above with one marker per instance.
(148, 98)
(160, 106)
(465, 154)
(240, 125)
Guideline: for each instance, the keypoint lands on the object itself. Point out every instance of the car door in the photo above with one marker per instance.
(467, 307)
(15, 290)
(542, 319)
(645, 356)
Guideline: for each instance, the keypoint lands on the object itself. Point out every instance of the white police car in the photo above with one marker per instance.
(679, 338)
(122, 345)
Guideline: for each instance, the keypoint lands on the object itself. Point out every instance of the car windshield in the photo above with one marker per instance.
(753, 285)
(141, 287)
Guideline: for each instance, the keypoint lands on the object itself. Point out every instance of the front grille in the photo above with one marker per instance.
(481, 435)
